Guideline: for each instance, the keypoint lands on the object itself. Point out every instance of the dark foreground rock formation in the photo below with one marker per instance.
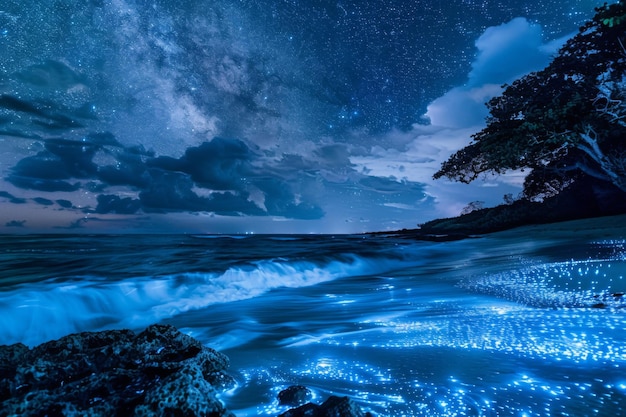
(294, 396)
(158, 372)
(332, 407)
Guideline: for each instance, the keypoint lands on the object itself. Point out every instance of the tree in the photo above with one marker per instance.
(473, 206)
(563, 122)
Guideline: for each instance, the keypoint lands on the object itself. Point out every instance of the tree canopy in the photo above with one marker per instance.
(563, 122)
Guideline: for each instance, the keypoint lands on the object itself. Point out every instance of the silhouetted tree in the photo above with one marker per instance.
(473, 206)
(563, 122)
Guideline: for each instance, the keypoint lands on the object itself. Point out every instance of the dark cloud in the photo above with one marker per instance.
(281, 201)
(221, 164)
(115, 204)
(43, 201)
(62, 160)
(129, 170)
(231, 204)
(95, 187)
(52, 75)
(295, 163)
(76, 156)
(334, 155)
(41, 184)
(15, 104)
(15, 223)
(65, 203)
(389, 185)
(40, 115)
(223, 167)
(76, 224)
(50, 169)
(103, 138)
(173, 191)
(103, 224)
(43, 166)
(17, 133)
(170, 191)
(12, 198)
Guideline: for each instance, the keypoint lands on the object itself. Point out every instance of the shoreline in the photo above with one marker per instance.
(611, 226)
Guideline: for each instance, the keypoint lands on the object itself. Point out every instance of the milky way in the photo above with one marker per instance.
(261, 116)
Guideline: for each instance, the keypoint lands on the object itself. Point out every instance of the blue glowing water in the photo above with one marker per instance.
(504, 325)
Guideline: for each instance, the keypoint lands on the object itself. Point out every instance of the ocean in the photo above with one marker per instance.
(514, 324)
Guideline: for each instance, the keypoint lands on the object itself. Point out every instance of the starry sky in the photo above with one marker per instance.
(254, 116)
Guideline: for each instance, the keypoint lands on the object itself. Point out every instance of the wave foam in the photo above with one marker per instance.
(34, 313)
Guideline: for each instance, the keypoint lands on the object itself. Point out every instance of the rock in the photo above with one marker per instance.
(295, 395)
(332, 407)
(159, 371)
(9, 358)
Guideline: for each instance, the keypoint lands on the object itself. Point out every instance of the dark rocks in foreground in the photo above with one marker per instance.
(332, 407)
(294, 395)
(159, 371)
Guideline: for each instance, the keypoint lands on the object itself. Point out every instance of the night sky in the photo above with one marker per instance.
(254, 116)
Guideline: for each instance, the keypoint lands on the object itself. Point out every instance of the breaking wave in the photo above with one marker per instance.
(37, 312)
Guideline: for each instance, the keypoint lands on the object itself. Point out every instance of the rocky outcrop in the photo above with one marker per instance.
(158, 372)
(294, 395)
(332, 407)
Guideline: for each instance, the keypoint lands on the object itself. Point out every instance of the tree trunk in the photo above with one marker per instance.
(612, 167)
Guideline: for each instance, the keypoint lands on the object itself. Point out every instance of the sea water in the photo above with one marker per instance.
(503, 325)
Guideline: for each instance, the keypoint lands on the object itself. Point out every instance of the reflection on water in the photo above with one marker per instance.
(497, 333)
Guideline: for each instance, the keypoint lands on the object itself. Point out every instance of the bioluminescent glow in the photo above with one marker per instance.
(498, 326)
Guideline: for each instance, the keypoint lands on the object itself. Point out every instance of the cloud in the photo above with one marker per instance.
(76, 224)
(129, 169)
(383, 185)
(174, 191)
(217, 176)
(60, 161)
(462, 106)
(12, 198)
(281, 201)
(43, 172)
(230, 204)
(51, 75)
(220, 164)
(64, 203)
(505, 53)
(115, 204)
(43, 201)
(15, 223)
(335, 155)
(37, 115)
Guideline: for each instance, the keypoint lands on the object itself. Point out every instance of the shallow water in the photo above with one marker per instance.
(494, 326)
